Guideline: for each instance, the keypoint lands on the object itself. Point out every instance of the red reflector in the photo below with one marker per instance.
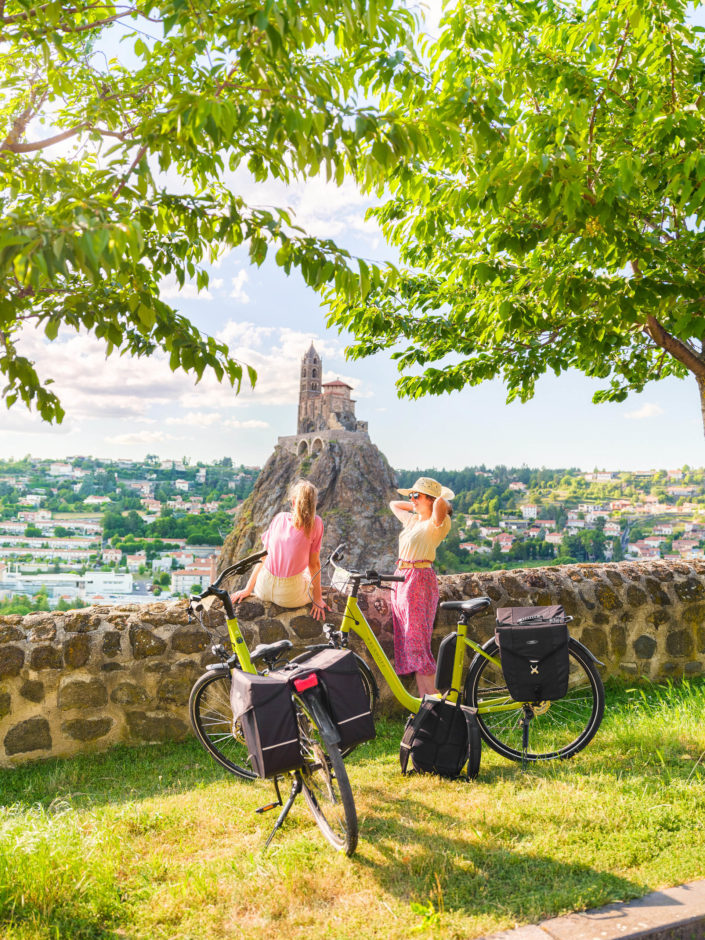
(308, 683)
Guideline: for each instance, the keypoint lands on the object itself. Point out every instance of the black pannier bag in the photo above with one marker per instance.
(444, 662)
(442, 738)
(345, 693)
(533, 650)
(265, 710)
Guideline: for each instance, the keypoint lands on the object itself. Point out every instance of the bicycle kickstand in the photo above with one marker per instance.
(525, 721)
(295, 790)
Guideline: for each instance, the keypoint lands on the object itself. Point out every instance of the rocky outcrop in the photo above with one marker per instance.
(355, 484)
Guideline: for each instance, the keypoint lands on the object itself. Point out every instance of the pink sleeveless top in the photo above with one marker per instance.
(288, 547)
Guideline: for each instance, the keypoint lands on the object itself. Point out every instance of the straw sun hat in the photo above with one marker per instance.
(430, 487)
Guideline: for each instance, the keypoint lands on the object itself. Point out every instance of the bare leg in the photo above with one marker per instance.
(426, 684)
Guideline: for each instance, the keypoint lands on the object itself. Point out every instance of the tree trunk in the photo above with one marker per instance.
(701, 388)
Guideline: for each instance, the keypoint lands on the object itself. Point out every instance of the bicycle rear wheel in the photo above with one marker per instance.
(557, 729)
(326, 785)
(212, 721)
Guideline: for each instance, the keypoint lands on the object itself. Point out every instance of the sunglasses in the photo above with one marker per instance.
(415, 495)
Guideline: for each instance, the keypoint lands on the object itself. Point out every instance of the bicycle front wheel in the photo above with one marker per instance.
(212, 721)
(326, 785)
(557, 729)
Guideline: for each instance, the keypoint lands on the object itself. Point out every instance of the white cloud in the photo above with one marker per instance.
(169, 289)
(91, 386)
(647, 410)
(217, 283)
(201, 419)
(238, 292)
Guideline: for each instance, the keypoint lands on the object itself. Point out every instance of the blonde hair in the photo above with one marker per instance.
(303, 496)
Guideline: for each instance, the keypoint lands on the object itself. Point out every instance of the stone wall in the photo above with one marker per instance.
(91, 678)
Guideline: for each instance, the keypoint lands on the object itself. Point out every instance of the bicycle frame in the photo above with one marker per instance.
(355, 620)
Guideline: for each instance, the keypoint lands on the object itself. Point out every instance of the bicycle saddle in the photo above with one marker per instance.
(270, 650)
(474, 606)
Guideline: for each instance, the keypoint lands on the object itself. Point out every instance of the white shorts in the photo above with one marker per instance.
(286, 592)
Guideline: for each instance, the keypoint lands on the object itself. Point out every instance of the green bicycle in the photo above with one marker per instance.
(322, 777)
(520, 731)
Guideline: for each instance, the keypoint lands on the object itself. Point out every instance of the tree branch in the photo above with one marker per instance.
(675, 347)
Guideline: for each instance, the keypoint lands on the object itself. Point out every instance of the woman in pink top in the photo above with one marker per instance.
(290, 575)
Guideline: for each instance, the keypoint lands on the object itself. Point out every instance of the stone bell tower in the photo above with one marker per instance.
(309, 391)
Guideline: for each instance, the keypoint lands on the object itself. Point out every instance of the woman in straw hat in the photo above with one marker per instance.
(426, 521)
(290, 575)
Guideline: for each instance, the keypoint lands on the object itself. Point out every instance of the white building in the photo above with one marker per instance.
(529, 510)
(183, 581)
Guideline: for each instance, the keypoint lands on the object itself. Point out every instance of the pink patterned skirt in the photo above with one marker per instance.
(413, 611)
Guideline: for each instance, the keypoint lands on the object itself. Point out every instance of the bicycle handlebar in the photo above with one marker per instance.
(371, 576)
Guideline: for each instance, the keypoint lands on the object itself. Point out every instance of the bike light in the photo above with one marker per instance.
(308, 683)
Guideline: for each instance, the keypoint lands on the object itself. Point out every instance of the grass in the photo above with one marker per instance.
(159, 843)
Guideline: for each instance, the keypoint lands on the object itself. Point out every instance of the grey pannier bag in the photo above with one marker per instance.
(265, 710)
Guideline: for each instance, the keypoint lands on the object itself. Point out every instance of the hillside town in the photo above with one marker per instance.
(85, 531)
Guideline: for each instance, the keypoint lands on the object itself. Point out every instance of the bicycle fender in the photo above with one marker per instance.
(584, 649)
(313, 701)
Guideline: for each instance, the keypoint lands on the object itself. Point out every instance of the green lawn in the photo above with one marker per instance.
(159, 843)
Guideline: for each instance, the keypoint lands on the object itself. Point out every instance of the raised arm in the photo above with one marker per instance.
(401, 509)
(440, 510)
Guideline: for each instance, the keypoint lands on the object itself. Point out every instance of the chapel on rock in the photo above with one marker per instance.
(326, 410)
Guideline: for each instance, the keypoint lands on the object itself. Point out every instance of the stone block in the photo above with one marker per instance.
(127, 693)
(82, 693)
(250, 609)
(112, 640)
(33, 734)
(46, 657)
(77, 651)
(607, 598)
(656, 593)
(679, 643)
(658, 618)
(166, 615)
(174, 690)
(690, 590)
(111, 667)
(9, 633)
(81, 621)
(271, 630)
(693, 668)
(5, 704)
(596, 641)
(190, 641)
(631, 669)
(87, 729)
(618, 641)
(645, 646)
(305, 627)
(145, 643)
(156, 728)
(11, 661)
(157, 667)
(32, 690)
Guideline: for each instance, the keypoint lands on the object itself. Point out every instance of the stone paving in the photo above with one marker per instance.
(672, 914)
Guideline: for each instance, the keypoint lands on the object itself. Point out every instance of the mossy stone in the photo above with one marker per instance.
(87, 729)
(83, 693)
(11, 661)
(33, 734)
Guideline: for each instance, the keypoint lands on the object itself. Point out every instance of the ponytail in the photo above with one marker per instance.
(304, 496)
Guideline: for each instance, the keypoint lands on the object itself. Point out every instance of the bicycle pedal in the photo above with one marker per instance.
(264, 809)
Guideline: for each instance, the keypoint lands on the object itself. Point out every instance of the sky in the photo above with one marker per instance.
(121, 407)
